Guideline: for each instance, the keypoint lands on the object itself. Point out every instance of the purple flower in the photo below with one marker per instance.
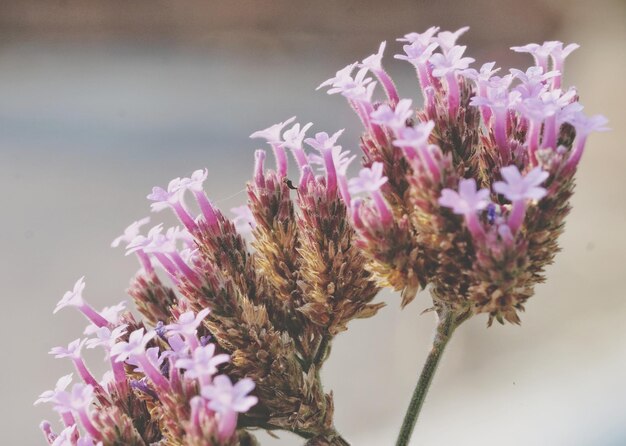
(173, 197)
(195, 183)
(130, 232)
(111, 314)
(272, 133)
(72, 350)
(414, 137)
(417, 53)
(228, 400)
(72, 298)
(187, 324)
(485, 73)
(539, 52)
(292, 139)
(203, 363)
(323, 142)
(272, 136)
(558, 55)
(343, 82)
(393, 118)
(450, 62)
(425, 38)
(105, 337)
(447, 39)
(154, 357)
(585, 125)
(369, 179)
(50, 395)
(224, 397)
(516, 187)
(163, 198)
(467, 200)
(135, 346)
(244, 219)
(374, 62)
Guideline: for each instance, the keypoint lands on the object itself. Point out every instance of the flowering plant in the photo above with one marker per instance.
(466, 195)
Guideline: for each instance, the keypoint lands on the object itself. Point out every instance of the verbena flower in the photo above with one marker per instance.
(466, 195)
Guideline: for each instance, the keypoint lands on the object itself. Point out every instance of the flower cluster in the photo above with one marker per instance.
(216, 305)
(469, 192)
(164, 385)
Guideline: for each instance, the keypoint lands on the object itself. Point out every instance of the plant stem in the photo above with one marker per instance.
(448, 322)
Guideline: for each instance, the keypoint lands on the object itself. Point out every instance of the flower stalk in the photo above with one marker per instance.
(449, 320)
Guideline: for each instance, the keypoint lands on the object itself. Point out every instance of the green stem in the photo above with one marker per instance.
(448, 322)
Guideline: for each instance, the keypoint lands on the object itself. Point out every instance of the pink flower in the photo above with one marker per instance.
(584, 126)
(539, 52)
(467, 202)
(447, 39)
(292, 139)
(187, 324)
(517, 187)
(72, 350)
(105, 337)
(130, 232)
(78, 400)
(393, 118)
(228, 400)
(414, 137)
(272, 133)
(374, 62)
(203, 363)
(369, 180)
(135, 350)
(425, 38)
(450, 62)
(485, 73)
(272, 136)
(135, 346)
(224, 397)
(50, 395)
(244, 219)
(173, 198)
(72, 298)
(417, 53)
(326, 146)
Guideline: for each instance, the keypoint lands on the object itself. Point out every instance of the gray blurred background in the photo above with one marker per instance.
(102, 99)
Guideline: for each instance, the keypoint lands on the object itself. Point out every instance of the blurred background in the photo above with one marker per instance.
(101, 100)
